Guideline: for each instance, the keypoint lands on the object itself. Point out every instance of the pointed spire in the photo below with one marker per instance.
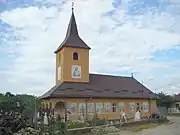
(72, 38)
(72, 27)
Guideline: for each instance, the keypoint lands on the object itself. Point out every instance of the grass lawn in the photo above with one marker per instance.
(175, 114)
(145, 126)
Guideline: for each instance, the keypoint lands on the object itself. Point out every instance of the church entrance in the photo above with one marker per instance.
(59, 110)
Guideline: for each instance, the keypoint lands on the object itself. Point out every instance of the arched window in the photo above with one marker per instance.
(75, 56)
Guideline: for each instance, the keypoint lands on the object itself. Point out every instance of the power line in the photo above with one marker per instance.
(165, 85)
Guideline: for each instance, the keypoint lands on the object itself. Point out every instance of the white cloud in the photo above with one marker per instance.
(125, 44)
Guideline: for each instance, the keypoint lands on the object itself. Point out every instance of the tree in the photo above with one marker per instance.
(8, 94)
(9, 101)
(165, 100)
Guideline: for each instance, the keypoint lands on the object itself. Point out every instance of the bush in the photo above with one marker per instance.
(98, 131)
(97, 121)
(77, 124)
(100, 122)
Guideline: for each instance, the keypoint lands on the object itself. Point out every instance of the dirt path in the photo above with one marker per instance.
(168, 129)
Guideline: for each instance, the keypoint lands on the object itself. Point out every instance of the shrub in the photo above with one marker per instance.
(77, 124)
(98, 131)
(97, 121)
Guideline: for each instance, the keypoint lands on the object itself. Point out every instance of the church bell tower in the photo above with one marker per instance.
(72, 56)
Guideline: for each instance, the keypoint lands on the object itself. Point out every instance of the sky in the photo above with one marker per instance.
(126, 36)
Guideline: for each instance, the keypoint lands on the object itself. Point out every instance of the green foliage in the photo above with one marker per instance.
(100, 122)
(9, 101)
(97, 121)
(165, 100)
(99, 131)
(145, 126)
(175, 114)
(77, 124)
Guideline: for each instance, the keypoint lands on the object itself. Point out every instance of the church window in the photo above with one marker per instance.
(99, 107)
(75, 56)
(73, 108)
(107, 107)
(114, 107)
(82, 108)
(138, 107)
(90, 107)
(132, 107)
(145, 106)
(121, 106)
(59, 58)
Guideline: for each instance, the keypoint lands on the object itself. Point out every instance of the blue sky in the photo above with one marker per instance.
(140, 36)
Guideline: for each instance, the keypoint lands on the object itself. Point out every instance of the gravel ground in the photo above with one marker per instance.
(166, 129)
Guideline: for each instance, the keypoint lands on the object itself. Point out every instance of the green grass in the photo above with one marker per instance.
(175, 114)
(145, 126)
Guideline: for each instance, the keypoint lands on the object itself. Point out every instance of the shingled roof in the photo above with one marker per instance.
(101, 86)
(72, 38)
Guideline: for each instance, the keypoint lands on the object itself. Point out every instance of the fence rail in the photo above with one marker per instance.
(173, 110)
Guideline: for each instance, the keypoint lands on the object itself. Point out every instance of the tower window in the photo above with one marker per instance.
(75, 56)
(59, 58)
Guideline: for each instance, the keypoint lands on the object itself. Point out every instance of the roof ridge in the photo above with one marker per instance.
(110, 75)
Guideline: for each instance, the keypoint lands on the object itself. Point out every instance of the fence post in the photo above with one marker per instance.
(66, 122)
(35, 112)
(86, 110)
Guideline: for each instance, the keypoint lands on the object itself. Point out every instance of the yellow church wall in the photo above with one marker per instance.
(108, 115)
(67, 62)
(153, 105)
(59, 63)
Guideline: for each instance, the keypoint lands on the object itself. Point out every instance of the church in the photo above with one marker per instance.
(89, 94)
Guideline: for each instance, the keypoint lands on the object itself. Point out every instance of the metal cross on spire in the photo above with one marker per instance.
(72, 5)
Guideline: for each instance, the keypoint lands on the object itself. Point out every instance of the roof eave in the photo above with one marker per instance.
(60, 48)
(92, 96)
